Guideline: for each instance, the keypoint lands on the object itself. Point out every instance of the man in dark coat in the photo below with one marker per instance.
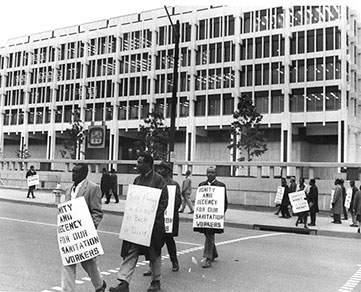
(105, 185)
(353, 214)
(31, 189)
(210, 250)
(337, 203)
(312, 198)
(285, 200)
(131, 251)
(165, 169)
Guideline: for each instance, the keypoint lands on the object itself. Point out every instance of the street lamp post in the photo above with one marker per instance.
(175, 85)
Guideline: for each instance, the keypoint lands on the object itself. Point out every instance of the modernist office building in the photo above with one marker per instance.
(300, 65)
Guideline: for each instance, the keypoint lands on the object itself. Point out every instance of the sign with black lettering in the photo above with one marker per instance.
(209, 207)
(139, 214)
(77, 237)
(348, 198)
(169, 212)
(279, 195)
(298, 202)
(33, 180)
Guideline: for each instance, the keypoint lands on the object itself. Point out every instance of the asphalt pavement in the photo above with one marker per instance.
(249, 217)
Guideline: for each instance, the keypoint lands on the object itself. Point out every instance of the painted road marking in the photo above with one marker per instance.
(352, 282)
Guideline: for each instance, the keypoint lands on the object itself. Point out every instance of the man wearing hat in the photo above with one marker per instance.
(165, 169)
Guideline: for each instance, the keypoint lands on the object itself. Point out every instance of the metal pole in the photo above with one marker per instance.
(176, 29)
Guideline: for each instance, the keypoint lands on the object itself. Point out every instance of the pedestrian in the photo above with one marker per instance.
(302, 216)
(285, 200)
(312, 198)
(337, 202)
(114, 187)
(82, 187)
(210, 251)
(131, 251)
(186, 193)
(165, 170)
(105, 185)
(31, 172)
(354, 189)
(357, 208)
(344, 194)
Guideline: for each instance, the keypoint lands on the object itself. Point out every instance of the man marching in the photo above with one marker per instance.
(210, 250)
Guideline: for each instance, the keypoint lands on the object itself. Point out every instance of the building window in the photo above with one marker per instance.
(261, 101)
(214, 105)
(265, 74)
(301, 42)
(133, 109)
(266, 46)
(200, 106)
(122, 110)
(277, 101)
(297, 100)
(228, 104)
(319, 69)
(258, 47)
(314, 99)
(258, 74)
(301, 71)
(183, 107)
(144, 109)
(333, 100)
(319, 40)
(311, 70)
(310, 41)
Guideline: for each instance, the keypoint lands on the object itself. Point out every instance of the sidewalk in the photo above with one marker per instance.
(236, 216)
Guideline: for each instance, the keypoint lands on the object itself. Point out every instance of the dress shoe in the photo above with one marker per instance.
(214, 257)
(207, 264)
(175, 267)
(358, 230)
(181, 211)
(336, 222)
(102, 288)
(354, 225)
(123, 286)
(148, 273)
(311, 224)
(106, 202)
(191, 212)
(154, 286)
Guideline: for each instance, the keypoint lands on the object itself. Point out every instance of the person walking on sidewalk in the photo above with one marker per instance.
(130, 251)
(337, 202)
(357, 208)
(353, 214)
(114, 187)
(105, 185)
(285, 200)
(31, 172)
(301, 217)
(92, 194)
(210, 251)
(312, 198)
(344, 194)
(186, 193)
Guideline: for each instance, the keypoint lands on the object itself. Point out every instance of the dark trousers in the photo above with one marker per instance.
(172, 249)
(285, 212)
(31, 191)
(337, 218)
(313, 217)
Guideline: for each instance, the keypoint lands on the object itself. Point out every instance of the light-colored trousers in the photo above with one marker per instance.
(187, 202)
(210, 250)
(68, 275)
(129, 262)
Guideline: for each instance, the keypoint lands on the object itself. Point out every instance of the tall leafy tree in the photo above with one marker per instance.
(153, 136)
(247, 137)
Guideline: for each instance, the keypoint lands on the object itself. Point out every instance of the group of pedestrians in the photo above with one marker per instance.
(311, 196)
(130, 251)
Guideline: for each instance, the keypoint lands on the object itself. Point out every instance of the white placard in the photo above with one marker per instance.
(332, 196)
(209, 207)
(139, 214)
(169, 212)
(33, 180)
(77, 237)
(298, 202)
(279, 195)
(348, 198)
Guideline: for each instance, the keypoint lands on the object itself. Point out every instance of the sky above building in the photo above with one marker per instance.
(24, 17)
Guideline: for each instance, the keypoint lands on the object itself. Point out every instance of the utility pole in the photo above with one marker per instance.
(176, 37)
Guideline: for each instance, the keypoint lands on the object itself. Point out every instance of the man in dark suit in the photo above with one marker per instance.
(92, 195)
(210, 250)
(131, 251)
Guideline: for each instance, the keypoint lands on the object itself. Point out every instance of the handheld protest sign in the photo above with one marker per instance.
(209, 207)
(299, 202)
(139, 214)
(169, 212)
(33, 180)
(348, 198)
(279, 195)
(77, 237)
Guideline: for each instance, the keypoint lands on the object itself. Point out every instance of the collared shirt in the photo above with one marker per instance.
(75, 189)
(210, 183)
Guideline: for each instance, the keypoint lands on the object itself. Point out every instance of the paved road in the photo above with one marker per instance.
(250, 260)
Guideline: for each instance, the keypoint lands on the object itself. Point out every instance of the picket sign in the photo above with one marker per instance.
(279, 195)
(77, 237)
(169, 212)
(332, 196)
(348, 198)
(139, 214)
(33, 180)
(298, 202)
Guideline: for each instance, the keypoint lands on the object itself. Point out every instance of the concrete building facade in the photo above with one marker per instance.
(300, 65)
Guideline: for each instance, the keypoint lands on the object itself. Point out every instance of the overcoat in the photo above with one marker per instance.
(337, 201)
(357, 203)
(153, 180)
(213, 230)
(312, 198)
